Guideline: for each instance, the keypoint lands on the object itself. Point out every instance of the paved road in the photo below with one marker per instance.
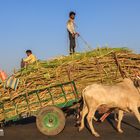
(27, 131)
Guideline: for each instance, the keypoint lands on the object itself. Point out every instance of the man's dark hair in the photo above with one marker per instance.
(72, 13)
(28, 51)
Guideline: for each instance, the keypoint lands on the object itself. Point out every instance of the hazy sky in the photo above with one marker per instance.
(40, 25)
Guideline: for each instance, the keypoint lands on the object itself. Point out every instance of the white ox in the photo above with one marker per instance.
(124, 96)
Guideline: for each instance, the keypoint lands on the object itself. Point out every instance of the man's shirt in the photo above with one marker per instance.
(71, 26)
(30, 59)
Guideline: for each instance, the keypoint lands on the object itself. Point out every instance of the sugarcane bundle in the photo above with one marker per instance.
(33, 101)
(97, 66)
(1, 115)
(10, 114)
(85, 68)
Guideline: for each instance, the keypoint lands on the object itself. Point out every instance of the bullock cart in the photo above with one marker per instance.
(48, 105)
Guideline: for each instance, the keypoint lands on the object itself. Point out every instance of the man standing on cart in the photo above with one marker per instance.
(71, 31)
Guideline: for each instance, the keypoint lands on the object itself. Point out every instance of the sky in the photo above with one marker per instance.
(40, 25)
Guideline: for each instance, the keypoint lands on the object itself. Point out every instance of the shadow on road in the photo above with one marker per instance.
(111, 121)
(22, 121)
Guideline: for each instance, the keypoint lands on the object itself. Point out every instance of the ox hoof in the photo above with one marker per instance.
(116, 119)
(95, 119)
(81, 128)
(120, 131)
(96, 135)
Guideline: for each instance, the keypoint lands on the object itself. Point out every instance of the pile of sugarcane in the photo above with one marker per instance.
(101, 65)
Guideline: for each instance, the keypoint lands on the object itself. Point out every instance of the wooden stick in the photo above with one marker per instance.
(123, 74)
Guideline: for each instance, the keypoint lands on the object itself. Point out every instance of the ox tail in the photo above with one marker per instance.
(82, 104)
(83, 98)
(82, 101)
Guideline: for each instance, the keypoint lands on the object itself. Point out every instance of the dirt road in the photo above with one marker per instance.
(26, 130)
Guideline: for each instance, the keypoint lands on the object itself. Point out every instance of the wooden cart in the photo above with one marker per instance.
(50, 117)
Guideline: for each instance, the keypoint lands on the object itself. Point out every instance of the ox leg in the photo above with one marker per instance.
(120, 117)
(115, 117)
(137, 114)
(89, 119)
(116, 112)
(94, 118)
(83, 113)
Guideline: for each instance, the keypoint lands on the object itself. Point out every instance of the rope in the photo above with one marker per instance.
(77, 45)
(88, 47)
(85, 42)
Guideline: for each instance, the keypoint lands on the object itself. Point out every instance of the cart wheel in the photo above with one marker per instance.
(50, 120)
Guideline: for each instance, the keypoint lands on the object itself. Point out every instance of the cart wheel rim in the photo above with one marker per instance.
(51, 120)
